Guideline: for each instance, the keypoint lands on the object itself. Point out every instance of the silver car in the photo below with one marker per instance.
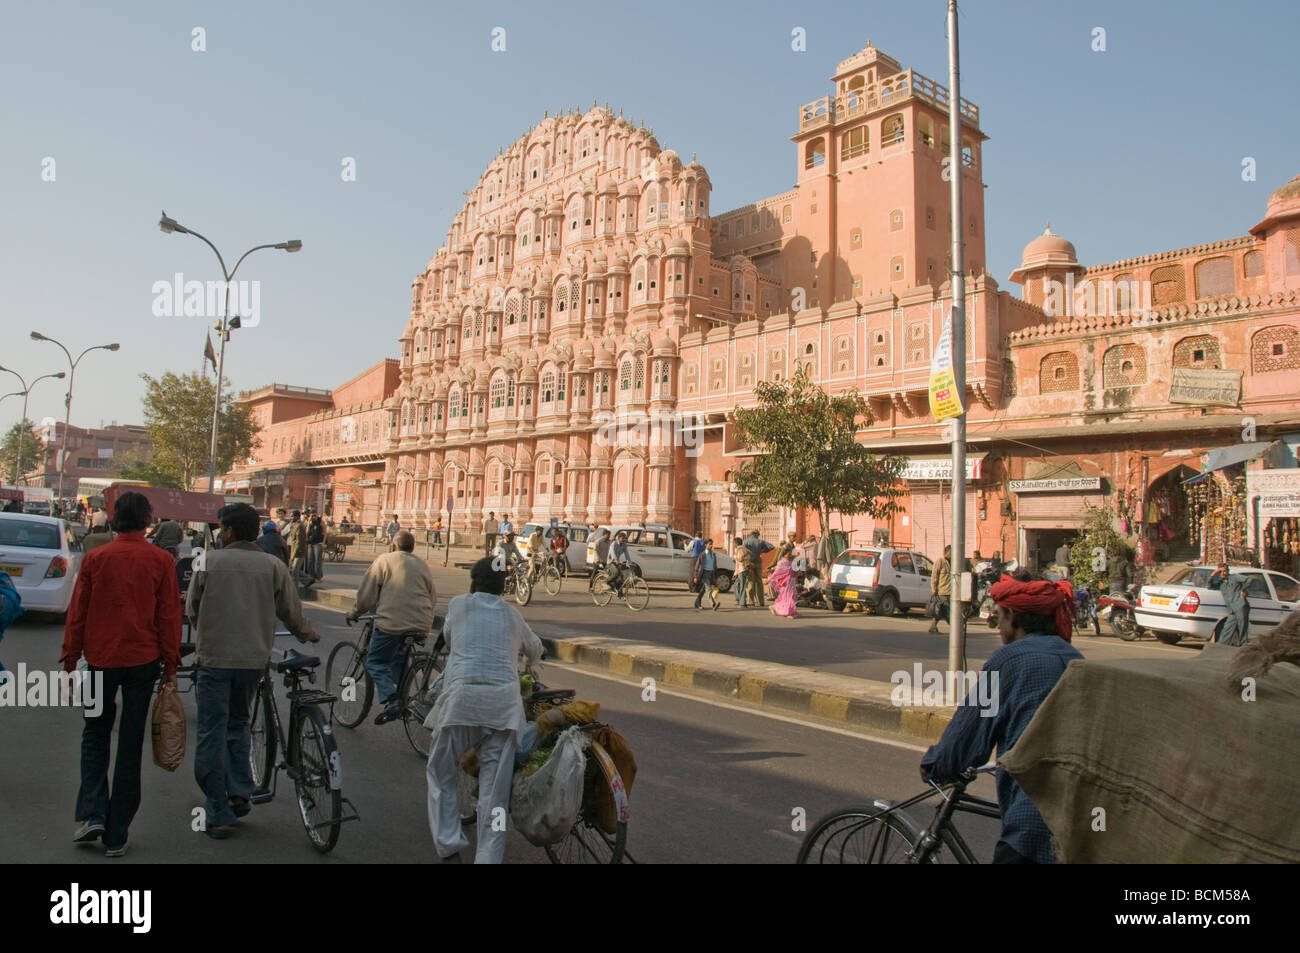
(42, 557)
(663, 554)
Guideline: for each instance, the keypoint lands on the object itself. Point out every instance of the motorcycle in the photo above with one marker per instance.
(1117, 609)
(1085, 610)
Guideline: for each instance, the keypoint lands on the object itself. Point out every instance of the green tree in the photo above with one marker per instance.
(808, 456)
(21, 451)
(1092, 550)
(133, 468)
(178, 413)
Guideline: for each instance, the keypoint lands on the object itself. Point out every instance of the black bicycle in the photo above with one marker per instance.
(631, 588)
(311, 758)
(346, 676)
(885, 834)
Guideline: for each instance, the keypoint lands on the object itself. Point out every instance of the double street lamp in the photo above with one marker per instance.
(226, 324)
(27, 389)
(67, 418)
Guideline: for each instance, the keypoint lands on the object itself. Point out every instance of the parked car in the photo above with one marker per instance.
(663, 554)
(885, 580)
(41, 556)
(577, 536)
(1185, 607)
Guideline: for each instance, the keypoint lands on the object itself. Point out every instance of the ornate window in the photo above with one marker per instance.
(815, 153)
(453, 403)
(1058, 372)
(1199, 351)
(1253, 264)
(1214, 277)
(625, 375)
(854, 143)
(843, 355)
(1124, 365)
(1275, 348)
(1169, 284)
(891, 130)
(548, 387)
(640, 373)
(602, 384)
(498, 392)
(510, 391)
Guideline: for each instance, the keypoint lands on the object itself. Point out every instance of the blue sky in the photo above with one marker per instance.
(1130, 151)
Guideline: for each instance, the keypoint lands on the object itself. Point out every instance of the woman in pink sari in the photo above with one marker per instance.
(786, 585)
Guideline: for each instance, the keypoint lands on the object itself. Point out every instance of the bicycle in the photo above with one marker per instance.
(311, 758)
(519, 584)
(346, 676)
(885, 834)
(631, 588)
(553, 570)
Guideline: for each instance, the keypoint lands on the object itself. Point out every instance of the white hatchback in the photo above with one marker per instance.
(884, 580)
(41, 556)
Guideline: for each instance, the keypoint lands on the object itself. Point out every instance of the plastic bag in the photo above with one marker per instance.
(936, 608)
(545, 805)
(168, 729)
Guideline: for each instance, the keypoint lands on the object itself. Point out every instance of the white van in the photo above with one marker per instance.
(884, 580)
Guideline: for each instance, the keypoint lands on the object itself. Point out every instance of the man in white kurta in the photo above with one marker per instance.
(479, 707)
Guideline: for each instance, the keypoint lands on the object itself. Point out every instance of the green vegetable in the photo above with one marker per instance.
(525, 684)
(536, 760)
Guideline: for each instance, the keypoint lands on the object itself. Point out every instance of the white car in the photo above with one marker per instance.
(41, 556)
(1185, 607)
(885, 580)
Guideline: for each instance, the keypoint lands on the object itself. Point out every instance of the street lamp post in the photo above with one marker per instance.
(67, 417)
(226, 325)
(27, 389)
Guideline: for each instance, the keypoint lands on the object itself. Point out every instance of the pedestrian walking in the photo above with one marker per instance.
(740, 585)
(233, 602)
(490, 527)
(505, 527)
(703, 574)
(785, 582)
(315, 546)
(168, 536)
(99, 517)
(392, 529)
(756, 546)
(1234, 628)
(125, 618)
(96, 537)
(941, 583)
(281, 519)
(480, 708)
(437, 531)
(295, 536)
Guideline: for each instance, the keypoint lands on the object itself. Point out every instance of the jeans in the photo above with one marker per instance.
(224, 697)
(707, 577)
(94, 801)
(385, 664)
(314, 553)
(739, 587)
(437, 537)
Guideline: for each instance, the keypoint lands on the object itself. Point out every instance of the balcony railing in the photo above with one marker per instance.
(892, 90)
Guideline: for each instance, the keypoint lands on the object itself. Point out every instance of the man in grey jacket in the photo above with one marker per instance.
(234, 598)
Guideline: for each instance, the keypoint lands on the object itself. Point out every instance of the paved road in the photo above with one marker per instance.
(854, 644)
(716, 783)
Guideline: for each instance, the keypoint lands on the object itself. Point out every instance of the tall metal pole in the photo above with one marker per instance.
(956, 617)
(221, 365)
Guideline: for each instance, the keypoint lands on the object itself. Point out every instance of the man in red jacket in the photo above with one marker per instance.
(125, 617)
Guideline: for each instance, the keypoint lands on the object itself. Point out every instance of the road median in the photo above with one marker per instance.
(787, 689)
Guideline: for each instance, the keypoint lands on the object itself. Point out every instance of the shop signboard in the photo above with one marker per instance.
(1064, 485)
(939, 468)
(1205, 387)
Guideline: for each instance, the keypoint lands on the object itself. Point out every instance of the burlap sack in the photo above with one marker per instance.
(1184, 770)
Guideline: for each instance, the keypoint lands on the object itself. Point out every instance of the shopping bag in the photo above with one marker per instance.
(545, 804)
(168, 722)
(936, 608)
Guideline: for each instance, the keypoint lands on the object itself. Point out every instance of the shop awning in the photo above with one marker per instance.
(1222, 457)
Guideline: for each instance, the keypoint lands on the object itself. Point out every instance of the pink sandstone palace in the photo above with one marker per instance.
(588, 279)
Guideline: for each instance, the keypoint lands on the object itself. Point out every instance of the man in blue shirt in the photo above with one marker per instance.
(703, 574)
(618, 557)
(1032, 618)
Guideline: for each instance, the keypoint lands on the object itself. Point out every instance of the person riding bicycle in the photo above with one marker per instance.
(398, 587)
(559, 544)
(536, 553)
(617, 559)
(1034, 624)
(510, 553)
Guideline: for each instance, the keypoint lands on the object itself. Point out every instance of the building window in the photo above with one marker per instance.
(892, 130)
(854, 143)
(1275, 348)
(1058, 372)
(786, 215)
(625, 375)
(1124, 365)
(1199, 351)
(815, 153)
(1214, 277)
(896, 220)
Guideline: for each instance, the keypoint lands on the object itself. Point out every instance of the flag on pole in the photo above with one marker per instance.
(945, 402)
(208, 354)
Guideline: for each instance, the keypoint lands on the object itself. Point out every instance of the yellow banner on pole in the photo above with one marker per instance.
(945, 402)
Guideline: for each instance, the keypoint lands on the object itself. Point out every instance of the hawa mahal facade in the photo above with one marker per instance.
(587, 279)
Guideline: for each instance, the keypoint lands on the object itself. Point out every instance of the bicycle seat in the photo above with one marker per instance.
(554, 694)
(416, 637)
(296, 662)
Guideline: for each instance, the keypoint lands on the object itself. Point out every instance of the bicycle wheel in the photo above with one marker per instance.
(523, 590)
(417, 701)
(587, 842)
(317, 778)
(355, 697)
(860, 835)
(551, 579)
(261, 729)
(600, 591)
(636, 594)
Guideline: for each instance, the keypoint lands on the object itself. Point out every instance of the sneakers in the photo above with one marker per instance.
(114, 851)
(87, 832)
(391, 713)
